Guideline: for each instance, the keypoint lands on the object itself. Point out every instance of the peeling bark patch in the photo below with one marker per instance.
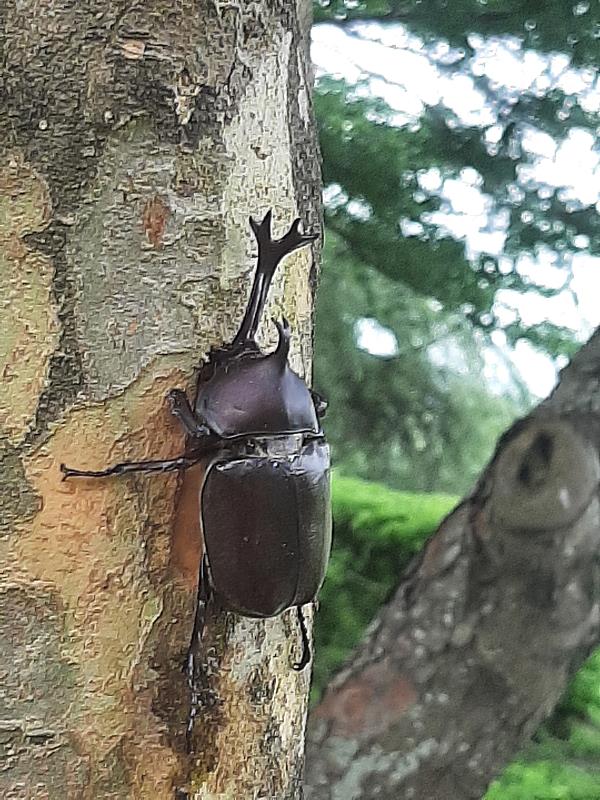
(40, 762)
(18, 501)
(114, 775)
(170, 64)
(88, 541)
(133, 302)
(31, 629)
(369, 704)
(27, 316)
(132, 49)
(155, 217)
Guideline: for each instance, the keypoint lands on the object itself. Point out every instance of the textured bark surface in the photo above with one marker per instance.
(135, 141)
(499, 611)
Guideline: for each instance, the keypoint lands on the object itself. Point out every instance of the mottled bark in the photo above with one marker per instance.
(477, 645)
(135, 141)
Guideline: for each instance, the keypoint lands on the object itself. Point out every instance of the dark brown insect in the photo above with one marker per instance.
(265, 494)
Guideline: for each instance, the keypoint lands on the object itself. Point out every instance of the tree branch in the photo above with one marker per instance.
(489, 624)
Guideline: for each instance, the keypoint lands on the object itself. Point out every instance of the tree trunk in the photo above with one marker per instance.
(135, 141)
(489, 624)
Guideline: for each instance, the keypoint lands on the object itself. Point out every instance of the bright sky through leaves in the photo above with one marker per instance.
(409, 76)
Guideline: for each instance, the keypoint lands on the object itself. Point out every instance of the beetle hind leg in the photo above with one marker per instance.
(192, 665)
(305, 658)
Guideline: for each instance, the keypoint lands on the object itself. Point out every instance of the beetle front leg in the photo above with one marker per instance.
(180, 408)
(126, 467)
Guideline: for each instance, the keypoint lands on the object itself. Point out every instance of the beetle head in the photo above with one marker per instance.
(242, 391)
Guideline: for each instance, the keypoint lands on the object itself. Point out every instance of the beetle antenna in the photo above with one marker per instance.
(270, 253)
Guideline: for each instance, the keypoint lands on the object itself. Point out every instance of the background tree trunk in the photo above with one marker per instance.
(135, 141)
(489, 624)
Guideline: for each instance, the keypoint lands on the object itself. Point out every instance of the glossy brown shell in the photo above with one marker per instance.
(267, 529)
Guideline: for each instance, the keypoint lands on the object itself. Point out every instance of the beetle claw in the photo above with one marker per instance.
(319, 403)
(298, 666)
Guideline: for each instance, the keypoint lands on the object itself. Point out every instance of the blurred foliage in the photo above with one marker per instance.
(402, 419)
(373, 162)
(545, 780)
(376, 168)
(425, 418)
(542, 24)
(376, 533)
(376, 157)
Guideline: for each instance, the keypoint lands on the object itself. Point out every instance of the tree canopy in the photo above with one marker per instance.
(441, 217)
(546, 25)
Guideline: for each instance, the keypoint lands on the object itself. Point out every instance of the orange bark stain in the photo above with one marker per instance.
(187, 532)
(104, 546)
(155, 217)
(368, 703)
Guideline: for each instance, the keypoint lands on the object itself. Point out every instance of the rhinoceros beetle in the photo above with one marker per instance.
(264, 495)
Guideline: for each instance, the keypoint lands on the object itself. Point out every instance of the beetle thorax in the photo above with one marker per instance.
(280, 447)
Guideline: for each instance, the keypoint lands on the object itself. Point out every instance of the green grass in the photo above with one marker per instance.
(376, 533)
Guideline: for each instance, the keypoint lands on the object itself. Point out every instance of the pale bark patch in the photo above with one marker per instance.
(27, 313)
(258, 141)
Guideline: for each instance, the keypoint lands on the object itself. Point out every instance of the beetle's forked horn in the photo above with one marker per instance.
(270, 253)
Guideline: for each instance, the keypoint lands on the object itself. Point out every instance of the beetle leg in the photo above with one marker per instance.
(170, 465)
(192, 662)
(319, 403)
(304, 660)
(180, 408)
